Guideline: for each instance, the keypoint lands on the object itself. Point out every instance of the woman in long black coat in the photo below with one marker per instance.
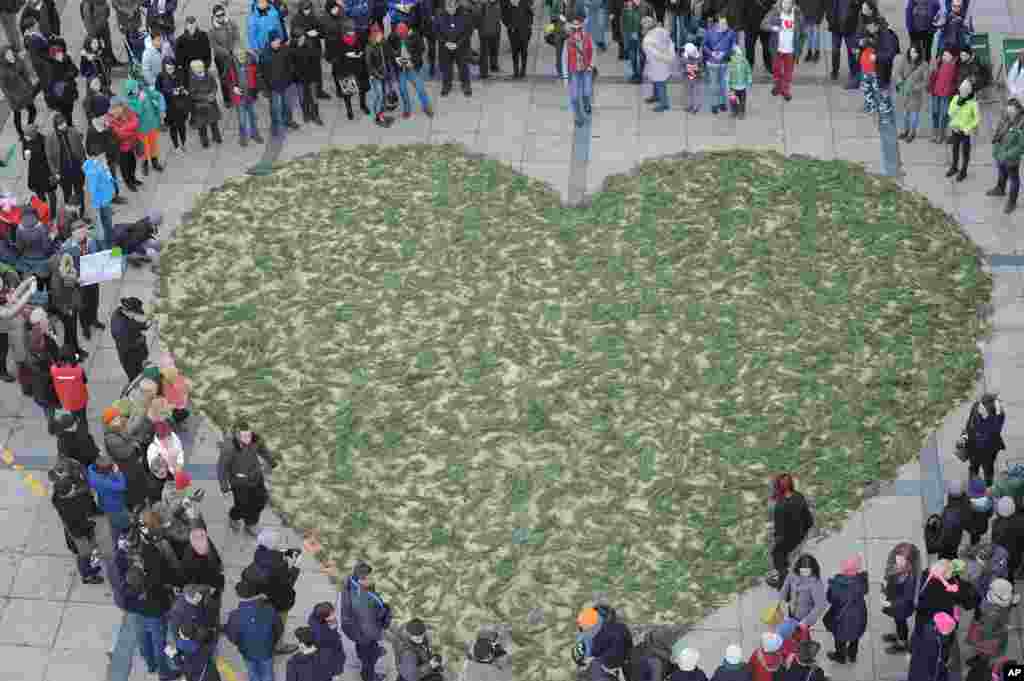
(41, 181)
(847, 618)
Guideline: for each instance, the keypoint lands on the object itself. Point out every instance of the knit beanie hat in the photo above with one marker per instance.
(587, 618)
(1000, 592)
(955, 488)
(182, 480)
(787, 627)
(688, 659)
(733, 654)
(1005, 507)
(944, 622)
(109, 414)
(771, 642)
(976, 488)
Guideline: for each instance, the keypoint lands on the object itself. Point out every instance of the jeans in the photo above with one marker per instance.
(940, 112)
(812, 37)
(581, 84)
(260, 670)
(715, 93)
(247, 119)
(406, 76)
(911, 119)
(119, 521)
(597, 22)
(661, 93)
(678, 31)
(152, 640)
(693, 93)
(278, 112)
(126, 640)
(106, 226)
(376, 96)
(632, 50)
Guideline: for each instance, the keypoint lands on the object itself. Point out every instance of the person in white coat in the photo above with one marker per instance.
(660, 55)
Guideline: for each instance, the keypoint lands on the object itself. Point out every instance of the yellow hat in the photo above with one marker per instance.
(587, 618)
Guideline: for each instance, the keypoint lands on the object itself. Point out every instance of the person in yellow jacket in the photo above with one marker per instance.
(963, 122)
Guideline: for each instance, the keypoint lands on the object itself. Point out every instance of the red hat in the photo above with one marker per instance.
(376, 29)
(402, 30)
(349, 39)
(182, 480)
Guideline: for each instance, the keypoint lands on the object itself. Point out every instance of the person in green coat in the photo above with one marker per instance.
(149, 105)
(740, 79)
(1008, 148)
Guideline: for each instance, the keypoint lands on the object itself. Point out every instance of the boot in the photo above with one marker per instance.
(837, 658)
(467, 90)
(257, 137)
(1011, 202)
(217, 139)
(321, 93)
(898, 647)
(912, 136)
(951, 172)
(337, 90)
(145, 168)
(204, 138)
(890, 638)
(835, 64)
(157, 165)
(903, 135)
(446, 89)
(998, 190)
(515, 64)
(587, 109)
(362, 103)
(348, 108)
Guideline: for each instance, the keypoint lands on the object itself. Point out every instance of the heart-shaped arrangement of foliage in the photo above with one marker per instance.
(506, 405)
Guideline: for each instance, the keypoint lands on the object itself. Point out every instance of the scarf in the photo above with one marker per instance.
(1005, 125)
(960, 101)
(578, 46)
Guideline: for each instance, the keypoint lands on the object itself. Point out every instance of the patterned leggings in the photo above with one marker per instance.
(876, 99)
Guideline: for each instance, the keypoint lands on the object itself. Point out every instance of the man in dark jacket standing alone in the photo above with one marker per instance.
(364, 617)
(843, 17)
(241, 474)
(278, 73)
(490, 37)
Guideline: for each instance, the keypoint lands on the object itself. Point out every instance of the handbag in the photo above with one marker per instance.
(975, 636)
(960, 448)
(773, 615)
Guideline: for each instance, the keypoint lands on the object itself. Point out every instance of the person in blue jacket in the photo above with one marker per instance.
(323, 623)
(263, 19)
(109, 483)
(718, 43)
(364, 617)
(359, 12)
(254, 627)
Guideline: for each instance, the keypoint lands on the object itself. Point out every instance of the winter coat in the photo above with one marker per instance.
(127, 453)
(763, 666)
(413, 49)
(242, 466)
(334, 28)
(254, 627)
(225, 39)
(353, 63)
(792, 520)
(312, 48)
(40, 179)
(452, 29)
(984, 435)
(900, 591)
(718, 41)
(813, 11)
(182, 612)
(163, 21)
(147, 103)
(38, 48)
(696, 674)
(887, 47)
(413, 658)
(271, 574)
(920, 15)
(95, 16)
(76, 511)
(45, 14)
(278, 68)
(378, 56)
(307, 667)
(1008, 147)
(192, 46)
(33, 238)
(55, 153)
(62, 86)
(129, 333)
(16, 83)
(260, 24)
(205, 109)
(848, 610)
(929, 655)
(176, 96)
(360, 613)
(128, 14)
(95, 104)
(964, 118)
(611, 644)
(773, 20)
(806, 598)
(152, 63)
(208, 569)
(93, 66)
(732, 672)
(754, 12)
(933, 598)
(517, 18)
(942, 79)
(956, 33)
(660, 53)
(99, 184)
(490, 19)
(842, 16)
(912, 83)
(994, 620)
(740, 76)
(329, 644)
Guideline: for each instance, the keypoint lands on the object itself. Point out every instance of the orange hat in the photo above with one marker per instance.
(587, 618)
(109, 414)
(402, 30)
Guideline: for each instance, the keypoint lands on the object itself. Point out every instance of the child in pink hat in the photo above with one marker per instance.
(847, 617)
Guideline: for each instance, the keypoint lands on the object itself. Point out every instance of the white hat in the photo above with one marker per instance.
(1005, 507)
(688, 659)
(691, 50)
(771, 642)
(734, 654)
(1000, 592)
(267, 539)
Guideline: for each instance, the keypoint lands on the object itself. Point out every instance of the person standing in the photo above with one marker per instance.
(96, 18)
(407, 47)
(225, 40)
(912, 82)
(254, 627)
(490, 37)
(306, 23)
(264, 21)
(273, 573)
(785, 23)
(77, 245)
(75, 505)
(240, 471)
(278, 73)
(13, 298)
(71, 385)
(660, 55)
(1007, 149)
(804, 592)
(878, 47)
(842, 17)
(149, 106)
(517, 15)
(453, 30)
(9, 20)
(718, 44)
(205, 109)
(99, 181)
(847, 618)
(899, 592)
(920, 18)
(578, 62)
(124, 124)
(754, 12)
(62, 85)
(631, 27)
(160, 17)
(740, 82)
(128, 326)
(191, 45)
(18, 89)
(792, 520)
(982, 435)
(65, 154)
(364, 617)
(964, 119)
(110, 485)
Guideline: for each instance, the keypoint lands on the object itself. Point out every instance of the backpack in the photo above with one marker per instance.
(609, 615)
(921, 15)
(933, 532)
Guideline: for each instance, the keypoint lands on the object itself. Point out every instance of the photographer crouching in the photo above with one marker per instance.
(417, 660)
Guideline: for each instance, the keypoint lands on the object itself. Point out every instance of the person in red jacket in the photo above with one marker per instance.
(243, 82)
(768, 658)
(124, 123)
(942, 85)
(69, 382)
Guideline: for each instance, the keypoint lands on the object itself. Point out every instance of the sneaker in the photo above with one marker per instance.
(92, 579)
(285, 649)
(252, 530)
(951, 172)
(650, 100)
(429, 112)
(235, 525)
(890, 638)
(243, 141)
(996, 191)
(788, 98)
(835, 657)
(660, 109)
(257, 138)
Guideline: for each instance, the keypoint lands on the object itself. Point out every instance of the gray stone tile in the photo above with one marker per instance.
(44, 577)
(46, 533)
(88, 626)
(549, 149)
(89, 595)
(892, 518)
(30, 623)
(78, 665)
(15, 529)
(22, 663)
(8, 569)
(12, 402)
(102, 393)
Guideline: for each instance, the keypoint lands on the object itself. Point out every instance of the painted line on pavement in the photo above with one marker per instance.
(34, 485)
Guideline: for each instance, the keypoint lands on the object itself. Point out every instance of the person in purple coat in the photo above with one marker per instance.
(984, 436)
(323, 622)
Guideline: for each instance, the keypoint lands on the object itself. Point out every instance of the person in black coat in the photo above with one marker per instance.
(128, 326)
(954, 516)
(754, 12)
(902, 578)
(792, 521)
(272, 574)
(308, 70)
(982, 435)
(306, 23)
(62, 88)
(453, 30)
(517, 15)
(353, 72)
(41, 181)
(847, 617)
(178, 100)
(201, 564)
(1008, 532)
(76, 507)
(278, 72)
(843, 17)
(45, 13)
(979, 510)
(804, 667)
(929, 654)
(191, 45)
